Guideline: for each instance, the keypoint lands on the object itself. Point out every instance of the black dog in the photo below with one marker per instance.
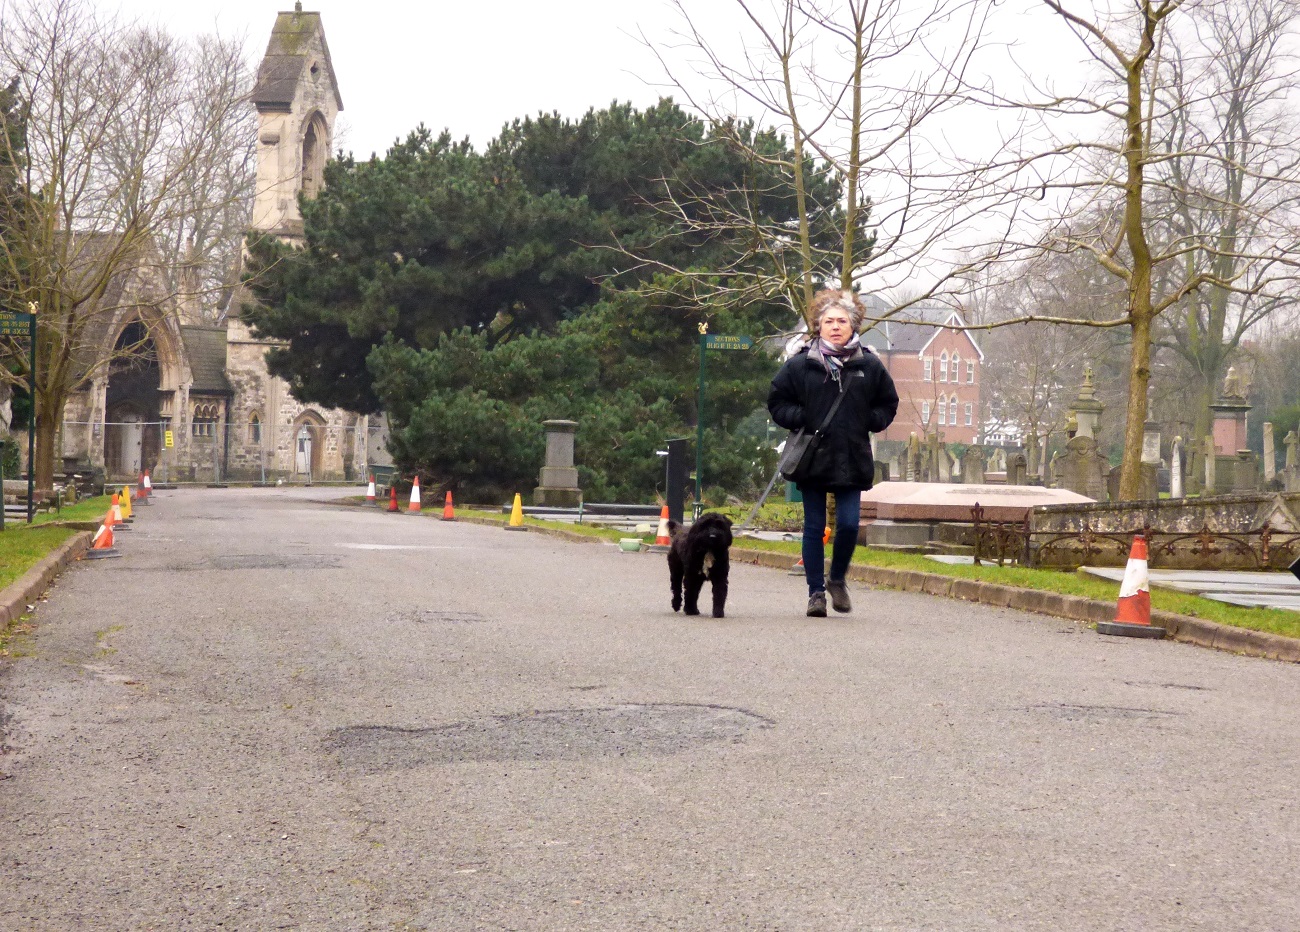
(697, 555)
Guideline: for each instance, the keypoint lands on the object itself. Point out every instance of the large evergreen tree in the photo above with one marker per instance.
(472, 296)
(435, 236)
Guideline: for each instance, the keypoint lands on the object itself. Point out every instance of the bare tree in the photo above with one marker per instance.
(852, 84)
(117, 125)
(1112, 190)
(1232, 103)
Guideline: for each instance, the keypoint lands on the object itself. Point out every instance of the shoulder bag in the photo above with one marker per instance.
(801, 445)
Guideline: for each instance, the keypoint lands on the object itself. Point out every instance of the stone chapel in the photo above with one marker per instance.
(206, 388)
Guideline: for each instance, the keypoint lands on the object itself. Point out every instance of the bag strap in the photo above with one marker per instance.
(831, 413)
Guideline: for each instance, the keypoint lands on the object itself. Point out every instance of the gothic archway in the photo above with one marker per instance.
(308, 445)
(315, 149)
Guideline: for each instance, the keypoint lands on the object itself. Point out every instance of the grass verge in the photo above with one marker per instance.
(21, 548)
(1272, 620)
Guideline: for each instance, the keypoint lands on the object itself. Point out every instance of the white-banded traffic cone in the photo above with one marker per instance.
(663, 537)
(414, 507)
(1133, 610)
(101, 548)
(370, 489)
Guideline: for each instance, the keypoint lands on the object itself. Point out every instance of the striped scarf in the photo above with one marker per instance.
(833, 357)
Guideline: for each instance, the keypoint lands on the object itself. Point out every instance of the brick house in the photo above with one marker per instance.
(936, 370)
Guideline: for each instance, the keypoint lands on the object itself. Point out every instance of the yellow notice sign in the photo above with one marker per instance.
(168, 441)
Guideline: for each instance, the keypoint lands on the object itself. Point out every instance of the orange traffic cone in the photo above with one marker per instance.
(116, 510)
(1133, 611)
(392, 499)
(448, 513)
(101, 548)
(414, 506)
(148, 486)
(662, 536)
(370, 489)
(798, 568)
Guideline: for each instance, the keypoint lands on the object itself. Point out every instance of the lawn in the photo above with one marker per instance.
(22, 547)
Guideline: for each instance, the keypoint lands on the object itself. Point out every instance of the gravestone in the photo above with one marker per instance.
(1291, 474)
(558, 484)
(1081, 468)
(1017, 469)
(1245, 472)
(1148, 483)
(1270, 453)
(1176, 469)
(972, 466)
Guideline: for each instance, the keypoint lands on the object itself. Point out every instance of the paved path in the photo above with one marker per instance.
(277, 714)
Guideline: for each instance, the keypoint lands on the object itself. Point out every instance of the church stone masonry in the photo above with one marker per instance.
(209, 385)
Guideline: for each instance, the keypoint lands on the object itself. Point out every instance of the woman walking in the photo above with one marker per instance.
(834, 363)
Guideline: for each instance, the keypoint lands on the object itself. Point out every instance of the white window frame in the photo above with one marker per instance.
(952, 410)
(925, 414)
(943, 411)
(928, 363)
(970, 372)
(943, 366)
(970, 413)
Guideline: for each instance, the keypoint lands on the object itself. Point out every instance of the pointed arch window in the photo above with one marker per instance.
(943, 409)
(925, 414)
(952, 411)
(943, 366)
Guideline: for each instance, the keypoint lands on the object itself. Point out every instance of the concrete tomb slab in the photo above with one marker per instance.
(929, 501)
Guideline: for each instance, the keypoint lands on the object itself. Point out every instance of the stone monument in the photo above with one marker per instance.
(1270, 453)
(1017, 469)
(1081, 468)
(972, 466)
(1176, 469)
(1086, 409)
(1291, 474)
(558, 485)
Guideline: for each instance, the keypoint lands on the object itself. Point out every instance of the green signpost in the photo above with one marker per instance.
(709, 341)
(17, 324)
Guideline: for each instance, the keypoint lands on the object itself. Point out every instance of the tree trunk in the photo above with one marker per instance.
(1139, 373)
(46, 435)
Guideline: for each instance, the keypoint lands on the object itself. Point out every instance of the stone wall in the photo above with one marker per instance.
(1239, 515)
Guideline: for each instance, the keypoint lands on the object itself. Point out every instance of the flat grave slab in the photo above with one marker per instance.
(1254, 590)
(952, 501)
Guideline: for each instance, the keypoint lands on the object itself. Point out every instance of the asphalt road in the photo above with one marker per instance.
(276, 713)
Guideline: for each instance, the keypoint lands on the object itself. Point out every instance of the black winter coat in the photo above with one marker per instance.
(802, 394)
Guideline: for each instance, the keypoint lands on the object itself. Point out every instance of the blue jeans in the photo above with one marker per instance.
(848, 509)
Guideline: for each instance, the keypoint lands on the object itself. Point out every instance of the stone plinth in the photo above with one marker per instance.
(558, 482)
(1229, 427)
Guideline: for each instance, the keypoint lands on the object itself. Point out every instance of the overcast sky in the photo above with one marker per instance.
(467, 66)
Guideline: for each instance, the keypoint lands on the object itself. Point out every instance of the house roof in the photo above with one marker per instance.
(206, 349)
(912, 329)
(289, 54)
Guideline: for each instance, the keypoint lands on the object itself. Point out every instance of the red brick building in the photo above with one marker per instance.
(936, 370)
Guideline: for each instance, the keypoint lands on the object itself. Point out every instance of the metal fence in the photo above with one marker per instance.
(214, 450)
